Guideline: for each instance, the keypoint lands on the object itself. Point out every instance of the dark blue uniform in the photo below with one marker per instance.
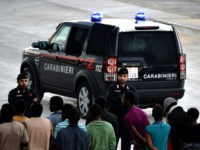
(19, 94)
(115, 93)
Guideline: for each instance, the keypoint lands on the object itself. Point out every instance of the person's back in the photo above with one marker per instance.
(38, 128)
(102, 135)
(72, 137)
(191, 133)
(55, 106)
(136, 120)
(56, 103)
(112, 119)
(191, 130)
(101, 132)
(157, 132)
(20, 108)
(12, 134)
(176, 117)
(65, 112)
(19, 118)
(105, 115)
(140, 120)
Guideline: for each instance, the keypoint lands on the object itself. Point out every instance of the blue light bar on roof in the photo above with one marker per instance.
(96, 17)
(140, 16)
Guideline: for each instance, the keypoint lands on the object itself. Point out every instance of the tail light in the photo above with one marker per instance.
(183, 66)
(110, 72)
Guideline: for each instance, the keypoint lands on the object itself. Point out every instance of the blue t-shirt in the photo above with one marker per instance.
(159, 132)
(55, 118)
(73, 138)
(65, 124)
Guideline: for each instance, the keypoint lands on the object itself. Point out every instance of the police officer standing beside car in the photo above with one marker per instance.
(115, 92)
(21, 92)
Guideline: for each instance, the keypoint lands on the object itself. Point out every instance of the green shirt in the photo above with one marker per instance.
(102, 135)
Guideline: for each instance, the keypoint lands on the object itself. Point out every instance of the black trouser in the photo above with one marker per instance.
(124, 134)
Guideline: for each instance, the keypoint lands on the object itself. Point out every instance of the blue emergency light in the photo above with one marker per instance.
(140, 16)
(96, 17)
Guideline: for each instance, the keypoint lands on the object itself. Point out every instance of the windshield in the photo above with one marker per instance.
(156, 47)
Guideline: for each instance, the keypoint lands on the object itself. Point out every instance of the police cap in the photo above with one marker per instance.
(22, 76)
(123, 71)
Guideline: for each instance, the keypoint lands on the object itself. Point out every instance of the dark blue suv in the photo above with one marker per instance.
(81, 60)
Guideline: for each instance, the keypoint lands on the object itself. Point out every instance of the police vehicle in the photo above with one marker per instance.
(81, 60)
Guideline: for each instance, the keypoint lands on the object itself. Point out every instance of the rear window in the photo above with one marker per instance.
(157, 48)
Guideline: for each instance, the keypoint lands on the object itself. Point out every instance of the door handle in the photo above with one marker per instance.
(78, 62)
(57, 58)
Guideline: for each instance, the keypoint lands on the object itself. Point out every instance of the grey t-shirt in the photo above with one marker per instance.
(12, 135)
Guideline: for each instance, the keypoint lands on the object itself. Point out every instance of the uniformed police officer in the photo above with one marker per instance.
(21, 92)
(115, 92)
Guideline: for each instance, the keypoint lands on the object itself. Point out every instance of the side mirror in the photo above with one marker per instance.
(57, 47)
(40, 44)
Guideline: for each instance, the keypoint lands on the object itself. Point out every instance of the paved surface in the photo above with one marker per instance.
(185, 15)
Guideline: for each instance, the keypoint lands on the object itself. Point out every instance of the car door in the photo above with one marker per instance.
(72, 60)
(50, 66)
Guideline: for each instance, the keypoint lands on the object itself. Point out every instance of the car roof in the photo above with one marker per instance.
(126, 25)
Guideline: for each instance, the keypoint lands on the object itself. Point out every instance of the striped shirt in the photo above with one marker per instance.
(65, 124)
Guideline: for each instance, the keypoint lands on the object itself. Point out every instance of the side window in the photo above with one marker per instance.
(99, 39)
(59, 40)
(76, 41)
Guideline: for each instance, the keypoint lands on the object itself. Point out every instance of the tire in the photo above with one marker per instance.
(33, 83)
(84, 99)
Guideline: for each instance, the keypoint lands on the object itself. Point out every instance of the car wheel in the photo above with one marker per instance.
(84, 99)
(33, 83)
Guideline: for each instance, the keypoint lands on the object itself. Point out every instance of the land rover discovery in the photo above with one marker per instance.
(81, 60)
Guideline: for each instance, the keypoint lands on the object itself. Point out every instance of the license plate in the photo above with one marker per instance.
(132, 72)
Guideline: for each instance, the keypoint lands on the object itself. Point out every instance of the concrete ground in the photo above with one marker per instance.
(182, 13)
